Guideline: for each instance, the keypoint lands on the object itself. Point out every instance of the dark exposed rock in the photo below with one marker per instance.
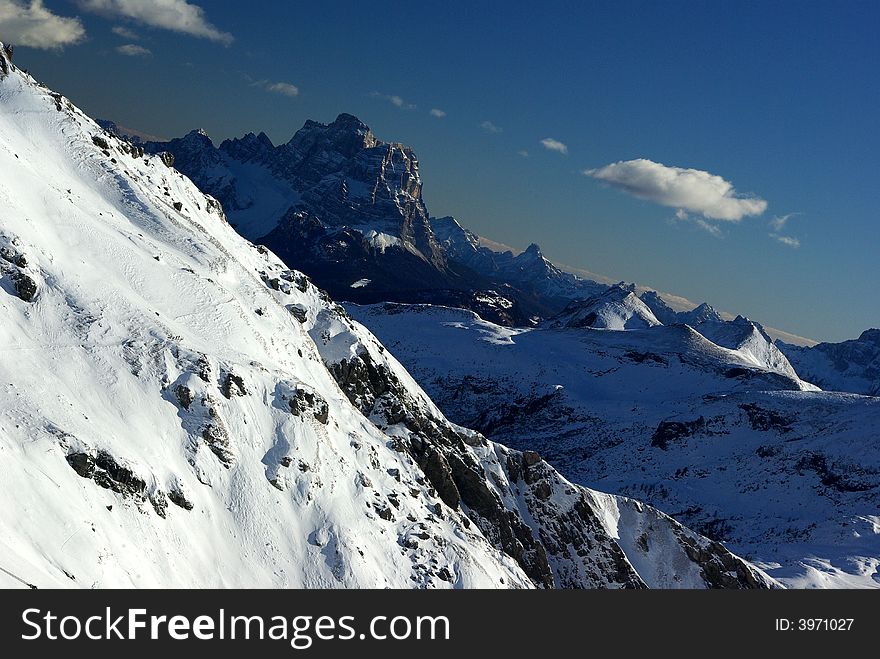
(384, 512)
(718, 567)
(6, 59)
(842, 478)
(669, 431)
(114, 476)
(216, 437)
(233, 385)
(167, 158)
(298, 312)
(160, 503)
(184, 396)
(108, 473)
(765, 420)
(100, 142)
(438, 471)
(643, 357)
(178, 498)
(530, 458)
(304, 401)
(82, 463)
(439, 452)
(542, 490)
(178, 206)
(25, 287)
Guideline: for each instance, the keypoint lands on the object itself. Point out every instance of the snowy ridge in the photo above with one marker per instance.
(618, 308)
(178, 408)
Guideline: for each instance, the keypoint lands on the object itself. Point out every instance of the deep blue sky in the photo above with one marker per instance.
(779, 98)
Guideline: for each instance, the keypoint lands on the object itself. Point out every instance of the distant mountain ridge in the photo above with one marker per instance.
(347, 208)
(852, 366)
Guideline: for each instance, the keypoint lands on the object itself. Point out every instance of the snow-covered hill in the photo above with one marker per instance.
(617, 308)
(852, 366)
(719, 433)
(178, 408)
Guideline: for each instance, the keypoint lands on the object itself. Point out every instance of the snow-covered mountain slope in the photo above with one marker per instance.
(852, 366)
(725, 440)
(617, 308)
(750, 340)
(178, 408)
(702, 313)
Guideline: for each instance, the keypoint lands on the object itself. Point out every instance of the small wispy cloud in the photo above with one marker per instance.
(125, 33)
(489, 127)
(133, 50)
(174, 15)
(708, 227)
(682, 215)
(692, 190)
(283, 88)
(779, 221)
(437, 113)
(523, 153)
(554, 145)
(788, 241)
(31, 24)
(777, 225)
(395, 100)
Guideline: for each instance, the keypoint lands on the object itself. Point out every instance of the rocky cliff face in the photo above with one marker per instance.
(343, 175)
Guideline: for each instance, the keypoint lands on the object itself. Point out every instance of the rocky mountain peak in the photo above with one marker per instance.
(344, 137)
(871, 336)
(5, 57)
(250, 148)
(534, 251)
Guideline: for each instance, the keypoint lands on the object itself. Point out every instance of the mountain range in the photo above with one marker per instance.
(710, 423)
(186, 403)
(180, 408)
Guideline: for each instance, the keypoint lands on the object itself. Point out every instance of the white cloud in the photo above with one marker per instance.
(693, 190)
(779, 221)
(708, 227)
(489, 127)
(523, 153)
(437, 113)
(125, 33)
(133, 50)
(175, 15)
(283, 88)
(788, 241)
(31, 24)
(395, 100)
(682, 215)
(554, 145)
